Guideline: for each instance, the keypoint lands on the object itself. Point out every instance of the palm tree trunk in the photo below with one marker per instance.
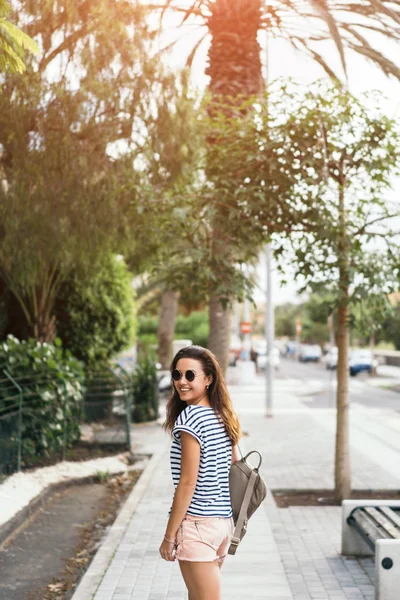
(235, 74)
(220, 330)
(166, 327)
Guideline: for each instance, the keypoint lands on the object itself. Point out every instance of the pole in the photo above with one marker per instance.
(269, 332)
(247, 336)
(269, 309)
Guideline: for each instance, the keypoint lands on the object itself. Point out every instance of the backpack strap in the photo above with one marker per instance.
(243, 512)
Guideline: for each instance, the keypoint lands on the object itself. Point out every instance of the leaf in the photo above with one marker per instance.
(20, 37)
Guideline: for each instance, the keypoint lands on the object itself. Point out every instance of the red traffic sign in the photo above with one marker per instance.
(245, 327)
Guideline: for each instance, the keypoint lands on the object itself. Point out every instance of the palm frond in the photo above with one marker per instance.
(305, 23)
(190, 11)
(194, 9)
(4, 8)
(193, 53)
(22, 39)
(10, 59)
(171, 45)
(317, 58)
(381, 7)
(363, 47)
(322, 8)
(13, 44)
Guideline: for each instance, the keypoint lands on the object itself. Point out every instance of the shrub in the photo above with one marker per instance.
(96, 317)
(194, 327)
(145, 391)
(147, 324)
(52, 384)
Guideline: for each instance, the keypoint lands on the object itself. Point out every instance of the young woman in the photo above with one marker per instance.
(205, 432)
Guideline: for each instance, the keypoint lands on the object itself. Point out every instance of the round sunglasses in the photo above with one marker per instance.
(189, 374)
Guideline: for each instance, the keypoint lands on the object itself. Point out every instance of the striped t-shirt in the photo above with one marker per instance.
(211, 496)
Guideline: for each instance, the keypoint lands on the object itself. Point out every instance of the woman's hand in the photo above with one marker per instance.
(167, 550)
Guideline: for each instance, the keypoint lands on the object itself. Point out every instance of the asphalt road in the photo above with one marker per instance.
(362, 388)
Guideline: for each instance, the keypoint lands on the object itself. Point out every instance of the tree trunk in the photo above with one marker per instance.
(331, 327)
(342, 457)
(44, 328)
(220, 330)
(235, 74)
(166, 327)
(372, 350)
(342, 450)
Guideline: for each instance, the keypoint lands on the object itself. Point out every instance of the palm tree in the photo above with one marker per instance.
(231, 28)
(234, 65)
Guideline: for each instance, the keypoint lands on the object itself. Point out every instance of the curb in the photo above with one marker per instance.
(97, 568)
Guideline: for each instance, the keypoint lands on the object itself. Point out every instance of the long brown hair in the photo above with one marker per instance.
(217, 392)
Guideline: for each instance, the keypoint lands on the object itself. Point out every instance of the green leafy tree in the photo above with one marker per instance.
(313, 314)
(341, 157)
(67, 134)
(96, 315)
(369, 316)
(285, 319)
(391, 326)
(176, 141)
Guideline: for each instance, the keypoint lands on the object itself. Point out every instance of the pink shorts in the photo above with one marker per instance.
(203, 539)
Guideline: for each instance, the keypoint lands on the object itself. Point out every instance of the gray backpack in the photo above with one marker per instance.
(247, 490)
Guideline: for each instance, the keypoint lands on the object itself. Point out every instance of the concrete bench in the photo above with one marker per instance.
(372, 527)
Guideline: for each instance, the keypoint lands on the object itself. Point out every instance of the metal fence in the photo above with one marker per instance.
(39, 417)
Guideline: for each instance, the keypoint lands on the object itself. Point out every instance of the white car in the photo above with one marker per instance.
(310, 353)
(361, 360)
(331, 358)
(262, 358)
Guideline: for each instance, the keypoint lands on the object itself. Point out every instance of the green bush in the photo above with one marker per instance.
(145, 391)
(96, 317)
(52, 384)
(147, 325)
(194, 327)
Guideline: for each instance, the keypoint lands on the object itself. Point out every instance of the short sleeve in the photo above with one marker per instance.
(190, 422)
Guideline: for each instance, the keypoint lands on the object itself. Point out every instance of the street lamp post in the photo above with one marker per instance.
(269, 331)
(269, 309)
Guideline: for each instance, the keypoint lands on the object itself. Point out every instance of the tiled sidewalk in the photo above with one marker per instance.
(288, 554)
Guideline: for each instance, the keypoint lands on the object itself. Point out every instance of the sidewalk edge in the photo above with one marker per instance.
(97, 568)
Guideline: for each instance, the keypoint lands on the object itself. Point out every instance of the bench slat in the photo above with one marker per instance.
(392, 514)
(383, 521)
(366, 524)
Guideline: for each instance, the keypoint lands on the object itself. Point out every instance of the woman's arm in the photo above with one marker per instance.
(235, 454)
(190, 461)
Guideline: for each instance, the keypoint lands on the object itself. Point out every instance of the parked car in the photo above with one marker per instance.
(262, 358)
(310, 353)
(361, 360)
(331, 358)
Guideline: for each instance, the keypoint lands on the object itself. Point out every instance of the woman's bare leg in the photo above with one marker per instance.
(202, 580)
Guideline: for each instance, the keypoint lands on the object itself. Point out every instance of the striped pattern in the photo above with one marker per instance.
(211, 496)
